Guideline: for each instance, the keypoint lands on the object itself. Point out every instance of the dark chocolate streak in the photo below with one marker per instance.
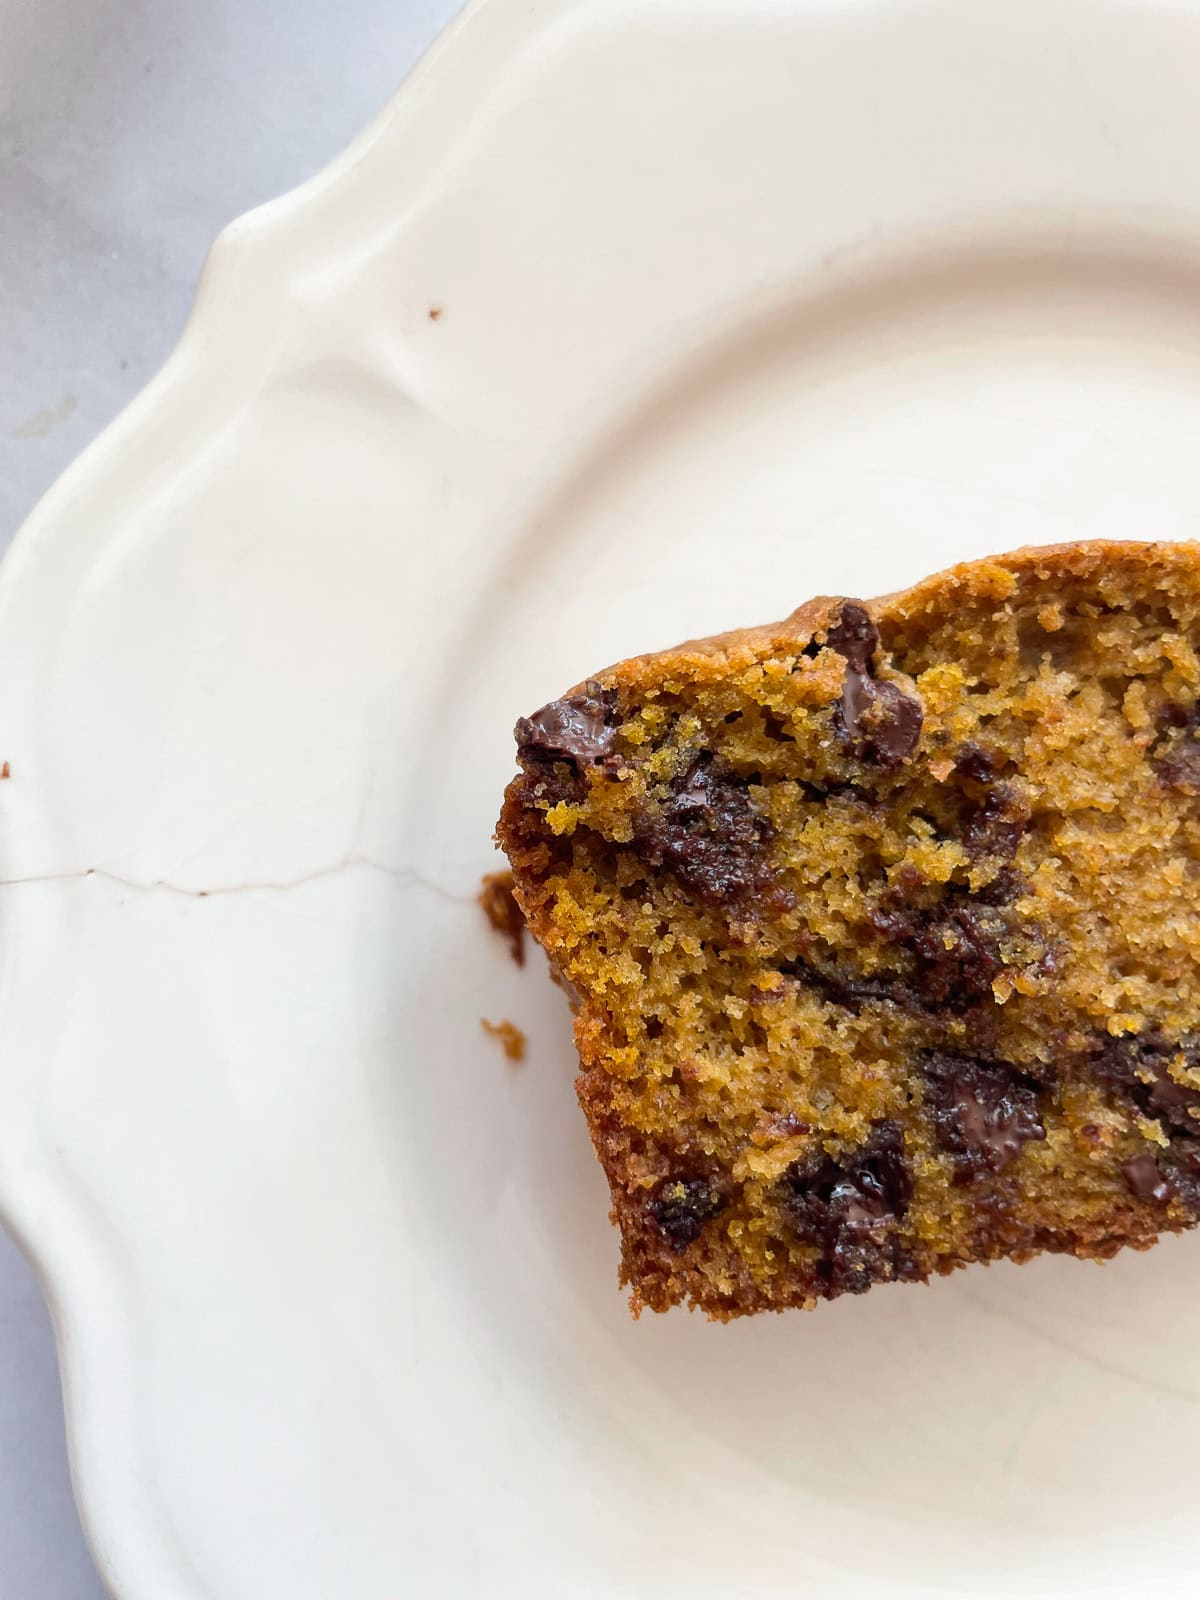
(956, 949)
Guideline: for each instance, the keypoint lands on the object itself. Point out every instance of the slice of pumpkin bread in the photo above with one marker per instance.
(883, 926)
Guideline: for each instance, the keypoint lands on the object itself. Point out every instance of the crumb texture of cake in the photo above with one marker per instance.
(882, 925)
(500, 907)
(508, 1036)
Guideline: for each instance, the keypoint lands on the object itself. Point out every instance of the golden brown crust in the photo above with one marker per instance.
(856, 1008)
(1079, 558)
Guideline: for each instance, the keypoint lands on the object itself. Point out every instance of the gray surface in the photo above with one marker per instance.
(130, 132)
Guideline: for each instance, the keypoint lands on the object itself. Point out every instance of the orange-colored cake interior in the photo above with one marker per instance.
(883, 927)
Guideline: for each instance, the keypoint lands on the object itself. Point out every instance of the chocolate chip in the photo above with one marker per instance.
(1004, 888)
(1180, 767)
(960, 954)
(849, 1207)
(1137, 1068)
(957, 949)
(1180, 1168)
(984, 1111)
(1173, 1103)
(1176, 755)
(1187, 1153)
(579, 729)
(682, 1207)
(999, 825)
(1145, 1181)
(708, 832)
(886, 722)
(976, 764)
(880, 723)
(1173, 715)
(854, 636)
(551, 783)
(694, 797)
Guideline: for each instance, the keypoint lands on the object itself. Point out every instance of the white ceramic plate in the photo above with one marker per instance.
(735, 301)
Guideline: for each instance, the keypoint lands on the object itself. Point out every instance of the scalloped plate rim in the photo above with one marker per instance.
(137, 1555)
(137, 1552)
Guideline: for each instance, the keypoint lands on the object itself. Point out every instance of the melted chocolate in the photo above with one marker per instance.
(850, 1208)
(1144, 1179)
(578, 729)
(985, 1112)
(708, 832)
